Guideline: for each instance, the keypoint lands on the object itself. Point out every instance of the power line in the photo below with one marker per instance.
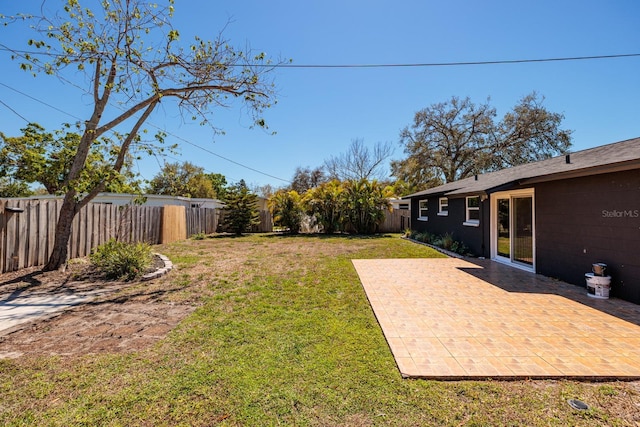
(456, 64)
(37, 100)
(399, 65)
(14, 111)
(149, 123)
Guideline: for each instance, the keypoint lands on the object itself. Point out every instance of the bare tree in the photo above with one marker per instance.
(133, 59)
(360, 162)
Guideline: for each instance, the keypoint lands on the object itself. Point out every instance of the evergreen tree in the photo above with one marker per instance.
(241, 210)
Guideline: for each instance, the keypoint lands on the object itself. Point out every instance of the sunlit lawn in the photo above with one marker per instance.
(283, 335)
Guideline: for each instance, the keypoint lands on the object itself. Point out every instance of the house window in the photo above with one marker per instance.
(473, 211)
(443, 206)
(423, 210)
(403, 206)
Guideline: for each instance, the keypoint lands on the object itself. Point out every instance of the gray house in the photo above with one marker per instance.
(555, 217)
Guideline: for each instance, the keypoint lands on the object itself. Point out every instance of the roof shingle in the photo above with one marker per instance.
(595, 160)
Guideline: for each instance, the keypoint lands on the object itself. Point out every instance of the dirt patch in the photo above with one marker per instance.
(126, 317)
(129, 317)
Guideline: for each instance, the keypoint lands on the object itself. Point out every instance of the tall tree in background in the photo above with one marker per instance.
(132, 59)
(12, 188)
(360, 162)
(241, 209)
(307, 178)
(219, 184)
(182, 179)
(45, 158)
(456, 139)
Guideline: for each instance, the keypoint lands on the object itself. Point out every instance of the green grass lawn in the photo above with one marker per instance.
(283, 335)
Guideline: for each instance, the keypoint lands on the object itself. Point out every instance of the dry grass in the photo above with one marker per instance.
(282, 335)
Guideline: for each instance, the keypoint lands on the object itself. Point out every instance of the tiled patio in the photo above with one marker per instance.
(451, 319)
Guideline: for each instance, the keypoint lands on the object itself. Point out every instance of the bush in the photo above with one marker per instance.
(364, 206)
(120, 260)
(445, 242)
(325, 204)
(286, 207)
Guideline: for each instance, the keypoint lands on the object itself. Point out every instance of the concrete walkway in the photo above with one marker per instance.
(20, 308)
(29, 304)
(452, 319)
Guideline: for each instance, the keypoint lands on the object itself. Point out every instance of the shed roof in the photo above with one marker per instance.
(623, 155)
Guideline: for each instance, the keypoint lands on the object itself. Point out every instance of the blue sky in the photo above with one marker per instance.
(319, 111)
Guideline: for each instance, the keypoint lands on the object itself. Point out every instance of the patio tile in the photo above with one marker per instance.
(464, 346)
(530, 367)
(420, 348)
(485, 366)
(439, 367)
(451, 319)
(398, 348)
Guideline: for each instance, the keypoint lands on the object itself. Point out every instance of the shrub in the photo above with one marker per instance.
(421, 237)
(459, 248)
(199, 236)
(286, 207)
(120, 260)
(447, 241)
(364, 204)
(325, 204)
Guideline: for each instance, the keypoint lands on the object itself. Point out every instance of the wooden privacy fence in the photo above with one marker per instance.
(265, 225)
(27, 229)
(202, 220)
(395, 221)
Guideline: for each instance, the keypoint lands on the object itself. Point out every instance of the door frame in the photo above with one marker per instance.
(527, 192)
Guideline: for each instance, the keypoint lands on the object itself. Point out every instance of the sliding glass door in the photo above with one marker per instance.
(504, 228)
(522, 241)
(513, 229)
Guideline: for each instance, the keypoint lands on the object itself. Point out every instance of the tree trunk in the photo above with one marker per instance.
(59, 254)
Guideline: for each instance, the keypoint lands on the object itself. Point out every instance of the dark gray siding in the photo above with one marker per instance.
(472, 237)
(592, 219)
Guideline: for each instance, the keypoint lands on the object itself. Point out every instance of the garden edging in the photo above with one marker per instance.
(168, 266)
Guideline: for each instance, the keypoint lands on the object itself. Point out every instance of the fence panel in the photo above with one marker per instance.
(201, 220)
(27, 229)
(395, 221)
(265, 225)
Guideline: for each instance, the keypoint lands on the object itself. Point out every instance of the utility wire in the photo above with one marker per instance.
(37, 100)
(455, 64)
(14, 111)
(397, 65)
(149, 123)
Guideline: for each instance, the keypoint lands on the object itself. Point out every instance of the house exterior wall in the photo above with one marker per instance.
(472, 237)
(592, 219)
